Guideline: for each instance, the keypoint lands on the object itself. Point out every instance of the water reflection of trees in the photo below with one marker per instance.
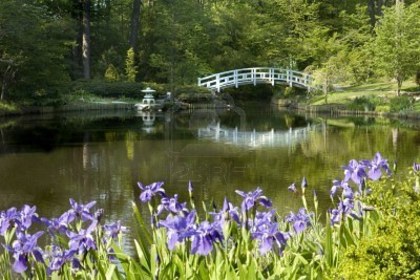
(103, 158)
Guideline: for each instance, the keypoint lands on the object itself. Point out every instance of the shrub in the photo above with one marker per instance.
(109, 89)
(401, 103)
(393, 250)
(361, 104)
(382, 108)
(111, 74)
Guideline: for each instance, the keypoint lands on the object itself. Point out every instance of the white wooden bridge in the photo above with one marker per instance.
(256, 75)
(255, 139)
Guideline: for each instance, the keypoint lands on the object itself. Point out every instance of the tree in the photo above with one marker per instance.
(111, 74)
(33, 45)
(86, 39)
(130, 66)
(397, 45)
(134, 25)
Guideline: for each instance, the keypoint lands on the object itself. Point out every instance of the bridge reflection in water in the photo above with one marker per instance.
(217, 133)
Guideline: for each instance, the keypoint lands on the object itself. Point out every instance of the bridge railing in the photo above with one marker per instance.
(255, 76)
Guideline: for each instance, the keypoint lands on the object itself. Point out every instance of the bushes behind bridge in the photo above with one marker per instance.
(132, 89)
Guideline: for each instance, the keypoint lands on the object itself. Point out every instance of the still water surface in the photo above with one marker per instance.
(45, 160)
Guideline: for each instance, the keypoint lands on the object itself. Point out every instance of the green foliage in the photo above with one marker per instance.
(181, 40)
(111, 74)
(7, 108)
(397, 47)
(401, 104)
(130, 66)
(33, 44)
(289, 91)
(109, 89)
(362, 104)
(392, 251)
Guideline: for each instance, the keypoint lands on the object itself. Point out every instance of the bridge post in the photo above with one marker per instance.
(254, 76)
(218, 82)
(272, 76)
(235, 78)
(290, 77)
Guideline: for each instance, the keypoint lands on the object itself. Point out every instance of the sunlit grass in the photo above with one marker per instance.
(382, 91)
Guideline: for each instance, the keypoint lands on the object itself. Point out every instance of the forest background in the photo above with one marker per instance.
(49, 47)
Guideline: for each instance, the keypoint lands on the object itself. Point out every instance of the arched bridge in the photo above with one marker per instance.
(256, 75)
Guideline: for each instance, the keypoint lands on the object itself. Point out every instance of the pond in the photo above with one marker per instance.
(47, 159)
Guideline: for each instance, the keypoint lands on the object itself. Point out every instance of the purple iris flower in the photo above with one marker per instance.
(171, 205)
(354, 171)
(251, 198)
(292, 188)
(112, 230)
(268, 236)
(376, 166)
(335, 216)
(301, 220)
(178, 227)
(58, 257)
(203, 238)
(7, 218)
(26, 215)
(151, 190)
(262, 218)
(347, 192)
(83, 240)
(336, 185)
(22, 248)
(82, 210)
(229, 211)
(346, 205)
(60, 224)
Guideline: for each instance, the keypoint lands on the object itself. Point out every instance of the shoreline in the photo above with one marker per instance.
(340, 110)
(330, 109)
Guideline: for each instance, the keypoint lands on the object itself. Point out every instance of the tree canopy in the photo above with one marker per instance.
(43, 43)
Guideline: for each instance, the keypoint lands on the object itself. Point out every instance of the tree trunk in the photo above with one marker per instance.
(135, 25)
(76, 52)
(3, 91)
(371, 11)
(8, 76)
(399, 85)
(86, 39)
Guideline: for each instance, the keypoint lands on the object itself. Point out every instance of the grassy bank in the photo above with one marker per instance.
(376, 97)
